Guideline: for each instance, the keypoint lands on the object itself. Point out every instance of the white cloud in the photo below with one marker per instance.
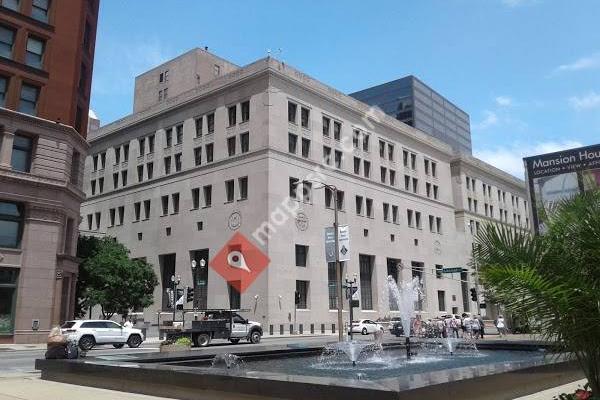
(504, 101)
(510, 158)
(583, 63)
(490, 119)
(589, 101)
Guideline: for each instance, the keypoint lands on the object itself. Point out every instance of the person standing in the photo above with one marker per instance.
(501, 325)
(476, 327)
(467, 326)
(481, 325)
(455, 324)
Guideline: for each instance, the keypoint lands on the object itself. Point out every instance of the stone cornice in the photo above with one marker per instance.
(14, 121)
(370, 115)
(11, 176)
(486, 168)
(44, 214)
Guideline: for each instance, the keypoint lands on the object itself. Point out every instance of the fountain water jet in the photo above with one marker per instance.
(405, 294)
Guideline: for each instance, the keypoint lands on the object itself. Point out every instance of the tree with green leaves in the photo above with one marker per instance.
(552, 278)
(112, 280)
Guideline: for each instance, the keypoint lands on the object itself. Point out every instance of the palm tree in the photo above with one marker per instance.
(553, 278)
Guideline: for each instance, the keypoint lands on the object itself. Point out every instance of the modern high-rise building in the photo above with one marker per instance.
(46, 58)
(413, 102)
(244, 153)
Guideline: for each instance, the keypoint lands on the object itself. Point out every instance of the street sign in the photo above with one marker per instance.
(343, 240)
(351, 292)
(455, 270)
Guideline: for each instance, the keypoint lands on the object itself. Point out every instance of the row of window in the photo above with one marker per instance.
(170, 204)
(302, 191)
(40, 9)
(29, 95)
(487, 192)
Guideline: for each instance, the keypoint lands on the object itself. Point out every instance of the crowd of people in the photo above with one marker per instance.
(456, 326)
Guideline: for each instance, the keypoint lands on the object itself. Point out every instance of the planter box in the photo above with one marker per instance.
(174, 347)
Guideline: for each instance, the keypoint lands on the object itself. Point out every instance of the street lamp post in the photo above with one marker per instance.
(175, 281)
(350, 285)
(338, 267)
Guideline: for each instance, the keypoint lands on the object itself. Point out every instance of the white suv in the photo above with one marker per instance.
(88, 333)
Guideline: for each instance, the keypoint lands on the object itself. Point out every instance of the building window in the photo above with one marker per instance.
(195, 199)
(231, 146)
(229, 190)
(245, 142)
(338, 159)
(366, 275)
(332, 283)
(438, 271)
(210, 123)
(178, 162)
(7, 39)
(386, 212)
(245, 111)
(169, 137)
(438, 224)
(292, 111)
(121, 212)
(93, 184)
(367, 169)
(235, 298)
(209, 152)
(137, 208)
(243, 187)
(359, 205)
(11, 224)
(307, 192)
(8, 298)
(142, 146)
(146, 209)
(179, 133)
(326, 126)
(327, 155)
(97, 216)
(21, 153)
(301, 255)
(3, 90)
(340, 200)
(415, 185)
(418, 219)
(164, 200)
(302, 290)
(431, 223)
(293, 188)
(115, 180)
(441, 300)
(10, 4)
(383, 174)
(409, 218)
(101, 185)
(305, 116)
(167, 163)
(126, 152)
(198, 122)
(328, 197)
(355, 138)
(29, 98)
(382, 149)
(395, 214)
(366, 142)
(292, 143)
(390, 152)
(305, 147)
(232, 113)
(207, 195)
(150, 169)
(175, 199)
(357, 165)
(151, 144)
(369, 207)
(39, 10)
(337, 130)
(35, 52)
(198, 156)
(140, 172)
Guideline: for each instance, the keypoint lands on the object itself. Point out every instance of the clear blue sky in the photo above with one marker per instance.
(527, 71)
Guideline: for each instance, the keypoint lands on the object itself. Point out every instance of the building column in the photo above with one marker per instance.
(6, 145)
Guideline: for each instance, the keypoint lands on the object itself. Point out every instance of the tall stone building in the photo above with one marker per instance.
(244, 152)
(46, 58)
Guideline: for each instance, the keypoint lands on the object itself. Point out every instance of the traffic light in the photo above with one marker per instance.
(473, 294)
(190, 294)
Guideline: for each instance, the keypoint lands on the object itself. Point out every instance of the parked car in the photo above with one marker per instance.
(397, 329)
(365, 326)
(88, 333)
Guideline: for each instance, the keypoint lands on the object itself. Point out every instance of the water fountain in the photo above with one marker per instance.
(351, 349)
(227, 361)
(405, 294)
